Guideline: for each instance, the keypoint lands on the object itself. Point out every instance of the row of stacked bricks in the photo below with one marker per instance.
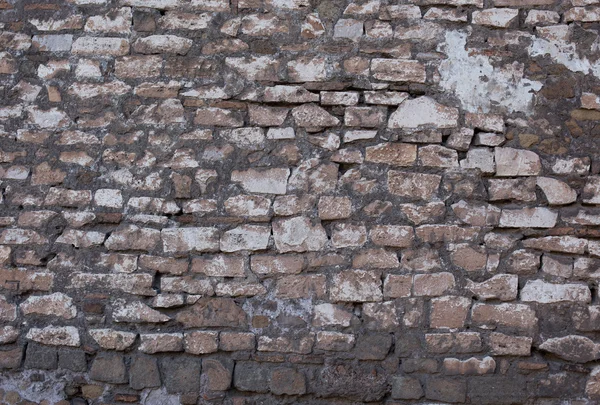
(299, 201)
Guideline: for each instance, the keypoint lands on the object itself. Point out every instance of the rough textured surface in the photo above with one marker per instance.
(299, 201)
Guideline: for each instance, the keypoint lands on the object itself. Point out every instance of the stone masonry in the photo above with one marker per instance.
(299, 202)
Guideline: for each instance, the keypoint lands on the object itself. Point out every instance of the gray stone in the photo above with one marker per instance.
(109, 368)
(406, 388)
(250, 376)
(446, 390)
(143, 373)
(73, 360)
(363, 382)
(373, 346)
(181, 375)
(41, 357)
(498, 390)
(217, 374)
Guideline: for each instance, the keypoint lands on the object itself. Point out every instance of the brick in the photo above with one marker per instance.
(190, 239)
(419, 186)
(57, 304)
(170, 44)
(282, 264)
(311, 115)
(133, 237)
(136, 312)
(422, 112)
(562, 244)
(271, 181)
(213, 312)
(111, 339)
(538, 217)
(398, 70)
(528, 163)
(298, 235)
(100, 46)
(506, 345)
(331, 315)
(495, 17)
(512, 189)
(161, 342)
(234, 341)
(515, 316)
(8, 311)
(356, 286)
(301, 286)
(255, 67)
(395, 154)
(375, 259)
(433, 284)
(334, 207)
(348, 235)
(365, 117)
(476, 214)
(334, 341)
(299, 344)
(461, 342)
(380, 316)
(55, 335)
(397, 286)
(545, 293)
(449, 312)
(471, 366)
(556, 191)
(246, 237)
(583, 14)
(502, 286)
(219, 266)
(348, 28)
(8, 334)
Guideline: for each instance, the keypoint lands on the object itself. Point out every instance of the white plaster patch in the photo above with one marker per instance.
(481, 87)
(564, 53)
(51, 389)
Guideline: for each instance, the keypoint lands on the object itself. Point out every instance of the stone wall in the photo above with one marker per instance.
(299, 201)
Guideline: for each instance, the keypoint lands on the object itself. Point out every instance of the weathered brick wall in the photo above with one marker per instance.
(299, 201)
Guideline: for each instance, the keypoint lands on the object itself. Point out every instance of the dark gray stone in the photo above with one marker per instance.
(11, 358)
(373, 346)
(250, 376)
(446, 390)
(507, 390)
(143, 373)
(406, 388)
(180, 375)
(40, 357)
(217, 373)
(109, 368)
(73, 360)
(359, 382)
(287, 381)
